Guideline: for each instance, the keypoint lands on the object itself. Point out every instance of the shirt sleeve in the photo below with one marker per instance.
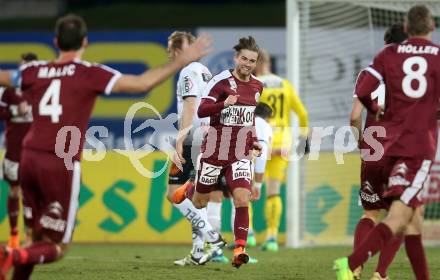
(189, 83)
(25, 76)
(213, 90)
(102, 78)
(264, 137)
(5, 113)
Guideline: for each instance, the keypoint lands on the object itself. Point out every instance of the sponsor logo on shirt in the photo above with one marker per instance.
(257, 96)
(52, 223)
(237, 115)
(187, 84)
(367, 186)
(401, 168)
(397, 181)
(209, 174)
(242, 169)
(56, 208)
(206, 77)
(372, 198)
(233, 84)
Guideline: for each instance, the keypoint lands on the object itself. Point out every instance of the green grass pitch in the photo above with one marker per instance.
(90, 261)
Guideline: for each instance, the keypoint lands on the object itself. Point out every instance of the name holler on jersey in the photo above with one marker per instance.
(417, 49)
(238, 115)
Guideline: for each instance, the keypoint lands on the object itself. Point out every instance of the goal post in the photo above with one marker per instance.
(328, 43)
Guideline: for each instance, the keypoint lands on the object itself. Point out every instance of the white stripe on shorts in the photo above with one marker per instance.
(73, 205)
(417, 183)
(199, 157)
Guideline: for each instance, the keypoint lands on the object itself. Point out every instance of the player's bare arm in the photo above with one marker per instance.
(153, 77)
(356, 118)
(189, 110)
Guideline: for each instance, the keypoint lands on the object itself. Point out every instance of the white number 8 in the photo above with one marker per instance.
(411, 75)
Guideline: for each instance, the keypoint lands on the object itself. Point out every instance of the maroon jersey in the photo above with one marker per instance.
(16, 126)
(232, 129)
(370, 119)
(411, 72)
(62, 95)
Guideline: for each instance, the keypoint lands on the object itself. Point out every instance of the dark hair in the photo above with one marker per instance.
(70, 31)
(395, 34)
(263, 110)
(419, 20)
(176, 39)
(28, 57)
(247, 43)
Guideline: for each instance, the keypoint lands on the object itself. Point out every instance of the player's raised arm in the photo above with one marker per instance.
(153, 77)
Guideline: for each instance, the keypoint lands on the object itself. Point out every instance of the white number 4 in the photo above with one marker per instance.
(50, 102)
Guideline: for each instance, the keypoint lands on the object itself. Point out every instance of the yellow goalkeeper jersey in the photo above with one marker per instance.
(280, 95)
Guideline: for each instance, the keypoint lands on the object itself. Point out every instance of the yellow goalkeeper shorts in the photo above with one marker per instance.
(276, 168)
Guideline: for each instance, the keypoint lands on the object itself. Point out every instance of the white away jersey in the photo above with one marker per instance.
(192, 80)
(264, 137)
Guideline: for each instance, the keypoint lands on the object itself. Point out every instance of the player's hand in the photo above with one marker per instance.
(379, 113)
(179, 152)
(23, 108)
(258, 148)
(255, 193)
(231, 100)
(200, 48)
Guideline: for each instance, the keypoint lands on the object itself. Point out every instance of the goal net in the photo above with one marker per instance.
(329, 42)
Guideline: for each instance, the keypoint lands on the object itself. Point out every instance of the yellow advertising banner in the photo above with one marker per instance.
(119, 204)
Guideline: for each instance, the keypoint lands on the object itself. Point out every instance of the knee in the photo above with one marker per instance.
(241, 201)
(216, 196)
(397, 224)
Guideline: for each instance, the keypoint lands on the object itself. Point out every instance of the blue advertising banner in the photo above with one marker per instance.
(129, 52)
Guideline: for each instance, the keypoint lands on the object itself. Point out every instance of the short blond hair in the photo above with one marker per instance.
(176, 39)
(263, 57)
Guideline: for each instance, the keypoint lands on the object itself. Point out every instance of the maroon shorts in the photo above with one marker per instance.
(238, 174)
(11, 172)
(50, 194)
(406, 178)
(373, 184)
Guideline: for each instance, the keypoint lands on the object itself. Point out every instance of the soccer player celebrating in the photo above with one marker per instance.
(410, 71)
(227, 149)
(192, 80)
(281, 97)
(371, 192)
(62, 94)
(264, 137)
(15, 112)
